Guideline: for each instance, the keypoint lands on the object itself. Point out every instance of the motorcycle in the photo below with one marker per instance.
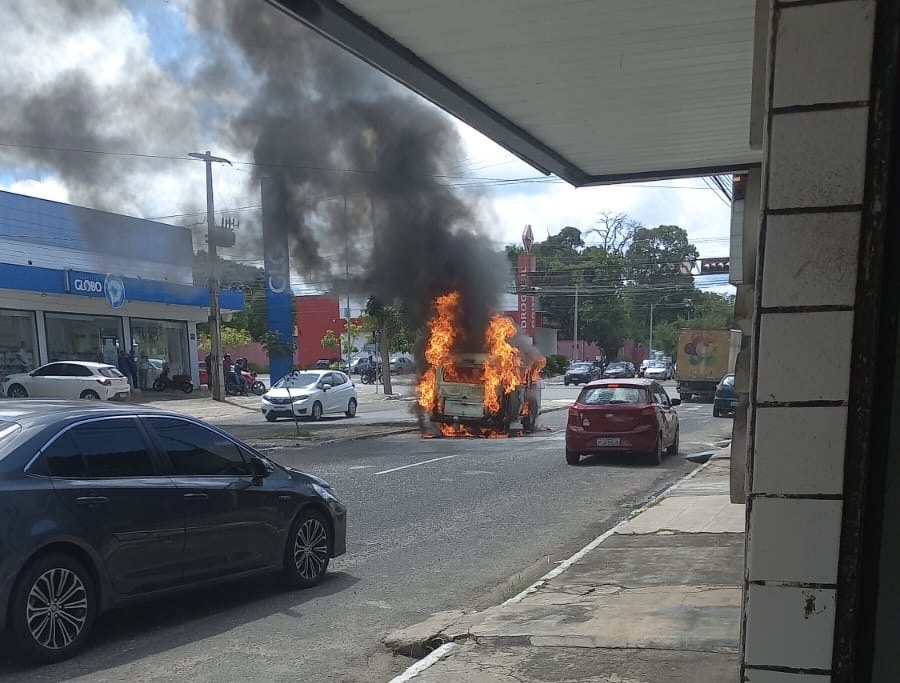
(164, 382)
(257, 386)
(370, 376)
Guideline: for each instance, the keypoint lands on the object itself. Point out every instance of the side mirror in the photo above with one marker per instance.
(675, 402)
(260, 468)
(326, 386)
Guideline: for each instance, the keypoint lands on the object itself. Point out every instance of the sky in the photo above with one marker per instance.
(127, 50)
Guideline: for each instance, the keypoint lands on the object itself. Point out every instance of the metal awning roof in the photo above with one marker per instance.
(594, 91)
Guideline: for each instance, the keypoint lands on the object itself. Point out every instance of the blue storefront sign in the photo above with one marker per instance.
(115, 289)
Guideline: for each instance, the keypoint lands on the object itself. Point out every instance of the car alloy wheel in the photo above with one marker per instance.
(53, 608)
(351, 408)
(317, 411)
(16, 391)
(309, 550)
(91, 395)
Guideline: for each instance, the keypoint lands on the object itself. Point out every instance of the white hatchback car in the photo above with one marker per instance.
(68, 379)
(310, 393)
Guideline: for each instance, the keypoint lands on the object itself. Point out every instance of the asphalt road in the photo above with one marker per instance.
(434, 525)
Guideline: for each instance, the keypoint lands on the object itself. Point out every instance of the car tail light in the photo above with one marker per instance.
(104, 382)
(574, 417)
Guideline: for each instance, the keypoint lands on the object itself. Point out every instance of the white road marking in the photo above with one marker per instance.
(361, 467)
(415, 464)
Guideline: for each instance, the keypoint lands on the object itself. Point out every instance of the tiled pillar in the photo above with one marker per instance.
(813, 179)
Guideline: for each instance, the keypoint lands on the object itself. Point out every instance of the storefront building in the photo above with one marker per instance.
(80, 284)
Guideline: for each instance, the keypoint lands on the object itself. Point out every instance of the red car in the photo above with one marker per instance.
(627, 416)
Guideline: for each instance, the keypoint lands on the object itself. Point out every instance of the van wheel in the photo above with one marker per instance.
(53, 607)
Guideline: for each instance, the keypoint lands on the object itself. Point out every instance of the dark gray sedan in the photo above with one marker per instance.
(104, 506)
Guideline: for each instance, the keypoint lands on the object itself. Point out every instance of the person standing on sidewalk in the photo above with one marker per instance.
(144, 372)
(133, 369)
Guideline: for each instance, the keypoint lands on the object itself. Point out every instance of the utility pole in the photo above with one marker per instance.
(575, 330)
(347, 276)
(217, 375)
(652, 306)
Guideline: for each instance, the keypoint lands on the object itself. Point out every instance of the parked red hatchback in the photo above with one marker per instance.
(627, 416)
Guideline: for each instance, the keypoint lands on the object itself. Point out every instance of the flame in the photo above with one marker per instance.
(502, 373)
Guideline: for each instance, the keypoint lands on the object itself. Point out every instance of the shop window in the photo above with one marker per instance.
(18, 342)
(83, 337)
(164, 341)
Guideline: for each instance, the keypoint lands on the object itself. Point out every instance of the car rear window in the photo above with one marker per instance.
(613, 395)
(109, 372)
(728, 381)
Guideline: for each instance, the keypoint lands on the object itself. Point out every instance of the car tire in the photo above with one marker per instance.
(271, 417)
(686, 398)
(717, 412)
(351, 408)
(566, 382)
(16, 391)
(90, 394)
(572, 457)
(49, 578)
(316, 412)
(673, 449)
(656, 456)
(308, 549)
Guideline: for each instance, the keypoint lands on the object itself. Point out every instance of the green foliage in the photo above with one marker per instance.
(232, 339)
(331, 341)
(275, 345)
(556, 365)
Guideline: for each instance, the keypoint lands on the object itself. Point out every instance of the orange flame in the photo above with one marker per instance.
(503, 372)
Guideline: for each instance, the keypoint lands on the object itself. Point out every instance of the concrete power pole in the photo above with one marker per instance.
(216, 375)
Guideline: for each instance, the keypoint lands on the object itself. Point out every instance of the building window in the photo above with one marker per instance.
(83, 337)
(18, 342)
(163, 340)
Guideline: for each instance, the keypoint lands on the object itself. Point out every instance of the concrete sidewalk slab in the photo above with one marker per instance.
(493, 663)
(659, 599)
(705, 514)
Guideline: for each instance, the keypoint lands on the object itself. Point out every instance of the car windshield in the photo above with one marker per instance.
(297, 381)
(581, 366)
(657, 365)
(616, 366)
(612, 395)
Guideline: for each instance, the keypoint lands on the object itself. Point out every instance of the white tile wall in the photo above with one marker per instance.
(817, 158)
(811, 259)
(789, 627)
(760, 676)
(794, 540)
(804, 356)
(820, 52)
(799, 450)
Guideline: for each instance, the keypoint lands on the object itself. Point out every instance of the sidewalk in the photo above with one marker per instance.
(656, 598)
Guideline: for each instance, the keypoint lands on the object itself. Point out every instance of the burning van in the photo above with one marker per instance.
(479, 393)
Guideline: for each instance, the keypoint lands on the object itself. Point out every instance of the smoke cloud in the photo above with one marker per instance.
(365, 169)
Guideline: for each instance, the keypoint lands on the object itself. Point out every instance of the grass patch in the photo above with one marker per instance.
(513, 587)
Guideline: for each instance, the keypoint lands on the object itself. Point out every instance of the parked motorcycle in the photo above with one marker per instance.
(257, 386)
(164, 382)
(370, 376)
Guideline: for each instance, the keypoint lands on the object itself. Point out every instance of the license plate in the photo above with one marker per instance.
(609, 441)
(734, 404)
(122, 394)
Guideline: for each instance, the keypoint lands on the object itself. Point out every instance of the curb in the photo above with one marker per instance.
(444, 650)
(372, 435)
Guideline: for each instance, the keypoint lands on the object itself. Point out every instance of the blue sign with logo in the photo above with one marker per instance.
(276, 262)
(114, 290)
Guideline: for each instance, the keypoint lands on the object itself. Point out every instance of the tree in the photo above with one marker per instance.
(331, 341)
(389, 323)
(615, 231)
(232, 339)
(654, 276)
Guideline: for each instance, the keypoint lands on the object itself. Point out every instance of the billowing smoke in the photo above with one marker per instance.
(366, 170)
